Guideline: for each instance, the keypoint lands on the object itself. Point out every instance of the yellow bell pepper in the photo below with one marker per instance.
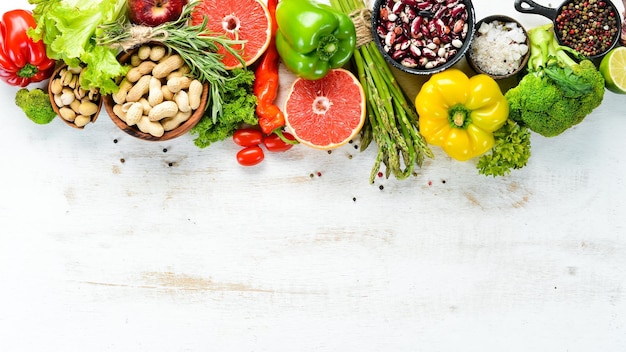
(460, 114)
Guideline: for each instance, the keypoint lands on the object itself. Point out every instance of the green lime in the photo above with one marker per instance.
(613, 69)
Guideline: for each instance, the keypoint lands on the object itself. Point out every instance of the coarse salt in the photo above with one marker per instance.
(498, 47)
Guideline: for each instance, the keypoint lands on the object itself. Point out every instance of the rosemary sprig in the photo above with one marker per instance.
(195, 44)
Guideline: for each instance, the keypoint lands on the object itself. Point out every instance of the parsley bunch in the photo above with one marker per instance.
(239, 107)
(510, 151)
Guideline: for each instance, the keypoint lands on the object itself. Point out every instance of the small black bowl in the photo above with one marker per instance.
(476, 67)
(382, 24)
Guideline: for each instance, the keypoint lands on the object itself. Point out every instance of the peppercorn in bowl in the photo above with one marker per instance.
(423, 37)
(591, 27)
(157, 99)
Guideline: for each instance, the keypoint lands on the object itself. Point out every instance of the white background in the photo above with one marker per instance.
(205, 255)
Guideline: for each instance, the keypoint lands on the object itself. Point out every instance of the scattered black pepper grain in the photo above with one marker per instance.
(354, 199)
(381, 187)
(170, 164)
(349, 156)
(122, 160)
(311, 175)
(330, 152)
(115, 140)
(356, 146)
(443, 181)
(350, 141)
(164, 150)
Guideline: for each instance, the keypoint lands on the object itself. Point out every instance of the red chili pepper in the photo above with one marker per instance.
(267, 80)
(22, 61)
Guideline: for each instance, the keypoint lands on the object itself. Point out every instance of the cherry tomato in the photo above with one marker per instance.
(248, 137)
(250, 156)
(273, 143)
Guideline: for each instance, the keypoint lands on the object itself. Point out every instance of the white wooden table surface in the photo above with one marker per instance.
(181, 249)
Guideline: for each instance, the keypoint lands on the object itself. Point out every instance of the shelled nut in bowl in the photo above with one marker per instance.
(76, 106)
(157, 100)
(500, 47)
(423, 37)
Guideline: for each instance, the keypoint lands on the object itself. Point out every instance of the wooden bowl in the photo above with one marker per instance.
(134, 131)
(78, 123)
(476, 67)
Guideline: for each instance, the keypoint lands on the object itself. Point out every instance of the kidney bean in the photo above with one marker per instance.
(422, 34)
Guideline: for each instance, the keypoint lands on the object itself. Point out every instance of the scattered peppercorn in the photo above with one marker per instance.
(115, 140)
(164, 150)
(122, 160)
(381, 187)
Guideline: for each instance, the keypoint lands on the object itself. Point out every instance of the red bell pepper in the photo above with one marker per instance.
(22, 61)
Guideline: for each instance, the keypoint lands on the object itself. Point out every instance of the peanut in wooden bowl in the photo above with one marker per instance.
(57, 109)
(134, 131)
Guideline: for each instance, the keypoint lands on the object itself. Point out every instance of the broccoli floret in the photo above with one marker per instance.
(561, 88)
(36, 105)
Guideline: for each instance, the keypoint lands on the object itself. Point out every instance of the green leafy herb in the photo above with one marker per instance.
(510, 151)
(239, 106)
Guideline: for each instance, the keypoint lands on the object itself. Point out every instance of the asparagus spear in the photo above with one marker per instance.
(392, 121)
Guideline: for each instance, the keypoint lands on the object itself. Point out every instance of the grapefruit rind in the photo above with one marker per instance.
(291, 121)
(204, 8)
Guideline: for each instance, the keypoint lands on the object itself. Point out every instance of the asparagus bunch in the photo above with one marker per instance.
(392, 120)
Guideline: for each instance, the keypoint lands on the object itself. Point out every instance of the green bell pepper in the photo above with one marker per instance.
(313, 38)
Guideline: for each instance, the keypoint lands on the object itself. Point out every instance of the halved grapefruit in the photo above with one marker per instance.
(246, 20)
(328, 112)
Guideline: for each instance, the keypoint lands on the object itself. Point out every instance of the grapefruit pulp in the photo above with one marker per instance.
(328, 112)
(245, 20)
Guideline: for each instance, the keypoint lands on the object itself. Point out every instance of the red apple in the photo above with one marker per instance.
(154, 12)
